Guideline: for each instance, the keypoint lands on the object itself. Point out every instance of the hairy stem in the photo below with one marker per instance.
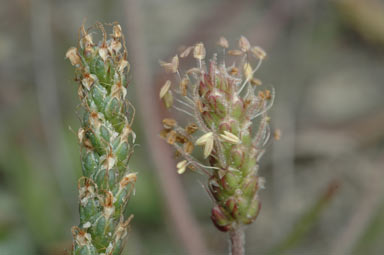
(237, 241)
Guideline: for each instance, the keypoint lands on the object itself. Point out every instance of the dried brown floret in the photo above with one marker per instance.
(191, 128)
(169, 123)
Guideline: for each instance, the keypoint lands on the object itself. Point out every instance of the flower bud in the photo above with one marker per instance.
(221, 221)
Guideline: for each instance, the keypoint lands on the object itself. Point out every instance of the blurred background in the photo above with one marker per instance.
(325, 177)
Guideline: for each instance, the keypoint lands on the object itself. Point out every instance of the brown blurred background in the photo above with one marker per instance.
(325, 177)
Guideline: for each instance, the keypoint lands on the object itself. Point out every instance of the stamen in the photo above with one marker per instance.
(271, 101)
(184, 103)
(183, 111)
(249, 78)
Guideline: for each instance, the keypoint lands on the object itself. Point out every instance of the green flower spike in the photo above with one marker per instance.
(227, 111)
(106, 141)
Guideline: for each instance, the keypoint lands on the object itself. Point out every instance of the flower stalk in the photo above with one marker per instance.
(106, 140)
(227, 108)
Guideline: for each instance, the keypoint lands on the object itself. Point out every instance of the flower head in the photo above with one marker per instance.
(228, 111)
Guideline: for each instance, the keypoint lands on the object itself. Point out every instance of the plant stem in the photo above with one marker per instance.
(237, 240)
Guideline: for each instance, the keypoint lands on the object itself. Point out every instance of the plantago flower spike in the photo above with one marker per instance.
(106, 141)
(229, 116)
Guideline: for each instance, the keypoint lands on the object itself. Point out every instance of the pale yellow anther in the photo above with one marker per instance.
(244, 44)
(186, 52)
(223, 42)
(117, 31)
(171, 67)
(248, 72)
(208, 147)
(165, 88)
(229, 137)
(194, 70)
(258, 52)
(204, 138)
(181, 166)
(199, 51)
(175, 63)
(207, 141)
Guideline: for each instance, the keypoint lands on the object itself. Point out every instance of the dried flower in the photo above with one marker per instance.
(73, 56)
(103, 52)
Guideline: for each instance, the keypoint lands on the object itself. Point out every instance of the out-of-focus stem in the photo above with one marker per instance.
(47, 96)
(185, 225)
(237, 240)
